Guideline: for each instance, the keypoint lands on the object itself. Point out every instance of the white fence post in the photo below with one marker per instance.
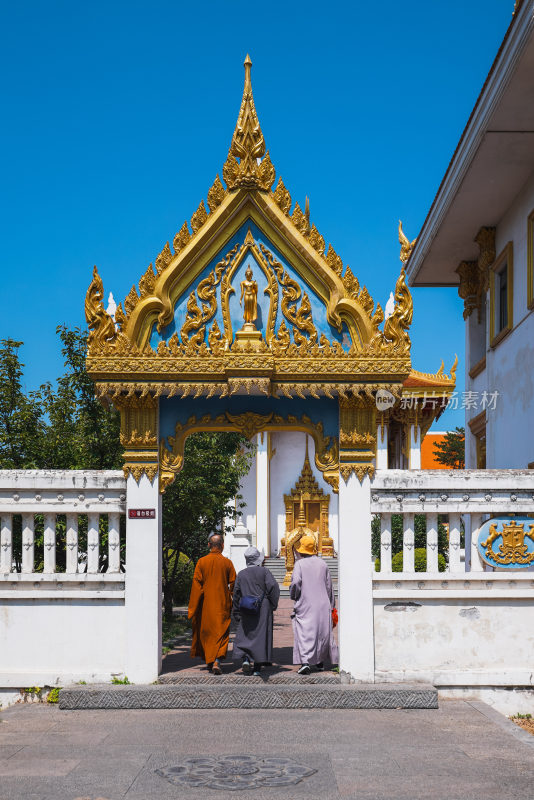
(93, 549)
(72, 543)
(385, 542)
(356, 625)
(49, 543)
(114, 543)
(454, 543)
(6, 543)
(477, 565)
(408, 543)
(143, 582)
(432, 543)
(28, 542)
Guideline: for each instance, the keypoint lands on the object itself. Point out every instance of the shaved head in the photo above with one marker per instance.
(216, 542)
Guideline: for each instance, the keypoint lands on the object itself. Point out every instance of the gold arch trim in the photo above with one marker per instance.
(249, 424)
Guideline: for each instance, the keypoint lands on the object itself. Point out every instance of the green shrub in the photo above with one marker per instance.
(184, 577)
(397, 534)
(53, 695)
(120, 681)
(419, 561)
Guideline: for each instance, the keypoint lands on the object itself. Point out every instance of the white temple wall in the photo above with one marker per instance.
(510, 365)
(248, 492)
(288, 450)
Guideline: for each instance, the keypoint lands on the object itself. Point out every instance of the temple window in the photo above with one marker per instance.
(501, 296)
(478, 429)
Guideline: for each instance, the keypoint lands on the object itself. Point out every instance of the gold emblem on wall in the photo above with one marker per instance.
(513, 549)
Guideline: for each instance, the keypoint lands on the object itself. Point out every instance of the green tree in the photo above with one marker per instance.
(21, 422)
(397, 535)
(81, 432)
(200, 499)
(451, 451)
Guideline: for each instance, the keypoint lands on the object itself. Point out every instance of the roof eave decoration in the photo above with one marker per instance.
(120, 349)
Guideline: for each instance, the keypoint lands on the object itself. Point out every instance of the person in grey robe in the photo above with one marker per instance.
(311, 589)
(253, 642)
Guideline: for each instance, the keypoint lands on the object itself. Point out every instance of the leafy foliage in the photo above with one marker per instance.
(451, 451)
(419, 558)
(21, 417)
(63, 426)
(397, 535)
(198, 502)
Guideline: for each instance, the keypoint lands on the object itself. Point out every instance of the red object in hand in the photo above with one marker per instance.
(335, 617)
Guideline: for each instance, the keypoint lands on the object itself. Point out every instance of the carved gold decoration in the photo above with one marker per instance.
(199, 217)
(282, 198)
(469, 285)
(216, 194)
(248, 145)
(299, 317)
(474, 275)
(357, 436)
(181, 238)
(350, 282)
(334, 261)
(513, 549)
(198, 317)
(138, 434)
(164, 259)
(248, 424)
(406, 245)
(249, 295)
(101, 327)
(313, 499)
(299, 220)
(132, 298)
(147, 282)
(316, 240)
(396, 326)
(236, 257)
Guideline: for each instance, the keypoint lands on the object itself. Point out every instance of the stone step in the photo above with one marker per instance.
(237, 695)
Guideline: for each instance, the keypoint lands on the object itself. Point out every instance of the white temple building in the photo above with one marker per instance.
(479, 234)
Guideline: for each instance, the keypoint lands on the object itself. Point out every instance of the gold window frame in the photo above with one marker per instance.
(506, 256)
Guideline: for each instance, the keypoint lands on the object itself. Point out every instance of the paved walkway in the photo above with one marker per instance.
(179, 659)
(460, 752)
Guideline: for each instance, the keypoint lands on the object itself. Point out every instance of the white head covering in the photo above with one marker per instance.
(253, 557)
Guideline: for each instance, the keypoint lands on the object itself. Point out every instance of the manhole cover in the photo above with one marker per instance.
(235, 772)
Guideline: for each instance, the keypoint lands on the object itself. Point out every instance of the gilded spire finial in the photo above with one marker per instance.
(248, 145)
(406, 245)
(302, 513)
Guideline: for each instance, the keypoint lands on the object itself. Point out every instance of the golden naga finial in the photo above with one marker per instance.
(248, 145)
(406, 245)
(100, 324)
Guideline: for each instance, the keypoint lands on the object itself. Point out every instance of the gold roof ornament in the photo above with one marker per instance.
(406, 245)
(248, 145)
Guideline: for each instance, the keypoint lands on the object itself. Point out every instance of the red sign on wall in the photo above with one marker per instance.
(142, 513)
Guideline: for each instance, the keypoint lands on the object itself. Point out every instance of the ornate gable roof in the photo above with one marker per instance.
(293, 355)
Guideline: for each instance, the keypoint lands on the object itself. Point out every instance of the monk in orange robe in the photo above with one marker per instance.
(210, 605)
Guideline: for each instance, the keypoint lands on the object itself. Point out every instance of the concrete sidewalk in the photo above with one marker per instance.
(463, 751)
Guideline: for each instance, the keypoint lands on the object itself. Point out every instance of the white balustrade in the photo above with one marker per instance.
(114, 543)
(461, 498)
(6, 543)
(28, 542)
(61, 504)
(432, 543)
(385, 543)
(408, 544)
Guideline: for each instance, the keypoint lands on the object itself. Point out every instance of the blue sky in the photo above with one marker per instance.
(118, 115)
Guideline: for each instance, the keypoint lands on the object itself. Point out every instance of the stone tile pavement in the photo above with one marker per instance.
(179, 659)
(463, 751)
